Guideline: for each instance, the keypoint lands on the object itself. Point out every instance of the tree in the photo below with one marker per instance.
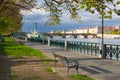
(10, 18)
(23, 4)
(74, 7)
(12, 25)
(115, 32)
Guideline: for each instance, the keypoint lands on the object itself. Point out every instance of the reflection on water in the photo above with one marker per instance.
(94, 40)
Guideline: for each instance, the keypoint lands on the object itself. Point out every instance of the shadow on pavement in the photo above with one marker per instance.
(94, 69)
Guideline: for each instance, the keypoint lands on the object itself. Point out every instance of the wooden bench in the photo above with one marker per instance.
(70, 63)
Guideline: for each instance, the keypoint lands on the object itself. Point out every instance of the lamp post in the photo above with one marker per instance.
(102, 44)
(102, 21)
(36, 26)
(22, 23)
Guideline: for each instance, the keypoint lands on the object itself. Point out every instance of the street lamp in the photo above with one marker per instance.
(102, 44)
(102, 52)
(36, 26)
(22, 23)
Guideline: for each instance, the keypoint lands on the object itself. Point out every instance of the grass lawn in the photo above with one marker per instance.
(9, 47)
(80, 77)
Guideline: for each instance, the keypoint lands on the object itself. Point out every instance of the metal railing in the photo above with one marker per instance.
(57, 43)
(84, 47)
(111, 51)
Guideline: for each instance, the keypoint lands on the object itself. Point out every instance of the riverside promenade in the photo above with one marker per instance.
(93, 66)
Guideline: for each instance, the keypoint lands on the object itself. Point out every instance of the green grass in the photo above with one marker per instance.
(34, 78)
(80, 77)
(48, 69)
(8, 40)
(15, 76)
(18, 50)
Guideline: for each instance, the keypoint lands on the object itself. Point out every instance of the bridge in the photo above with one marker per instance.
(75, 35)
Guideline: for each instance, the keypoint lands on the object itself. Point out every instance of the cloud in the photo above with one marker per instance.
(34, 11)
(34, 15)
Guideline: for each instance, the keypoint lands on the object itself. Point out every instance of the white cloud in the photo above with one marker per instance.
(85, 16)
(34, 15)
(34, 11)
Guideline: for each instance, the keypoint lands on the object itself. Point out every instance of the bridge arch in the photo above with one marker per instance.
(80, 36)
(69, 36)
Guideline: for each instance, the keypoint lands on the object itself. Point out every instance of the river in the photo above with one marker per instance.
(93, 40)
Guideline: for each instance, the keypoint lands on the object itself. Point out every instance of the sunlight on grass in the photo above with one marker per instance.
(8, 40)
(18, 50)
(80, 77)
(34, 78)
(46, 62)
(48, 69)
(14, 75)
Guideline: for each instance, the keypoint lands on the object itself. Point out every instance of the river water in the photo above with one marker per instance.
(93, 40)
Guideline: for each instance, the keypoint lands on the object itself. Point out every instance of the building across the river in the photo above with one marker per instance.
(91, 30)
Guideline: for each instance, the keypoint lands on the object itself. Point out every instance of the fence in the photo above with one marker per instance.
(111, 51)
(84, 47)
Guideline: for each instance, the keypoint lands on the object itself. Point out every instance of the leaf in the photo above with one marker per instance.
(118, 2)
(92, 11)
(118, 12)
(109, 12)
(82, 7)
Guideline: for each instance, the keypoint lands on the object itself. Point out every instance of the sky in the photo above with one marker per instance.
(38, 17)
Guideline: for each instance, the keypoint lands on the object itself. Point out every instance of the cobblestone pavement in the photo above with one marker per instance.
(93, 66)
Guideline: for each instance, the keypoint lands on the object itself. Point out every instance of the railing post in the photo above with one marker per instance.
(25, 38)
(102, 51)
(43, 41)
(48, 42)
(65, 45)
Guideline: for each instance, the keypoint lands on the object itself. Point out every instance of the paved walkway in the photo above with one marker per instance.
(99, 69)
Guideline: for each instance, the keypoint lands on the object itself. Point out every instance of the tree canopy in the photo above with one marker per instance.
(10, 18)
(74, 7)
(9, 10)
